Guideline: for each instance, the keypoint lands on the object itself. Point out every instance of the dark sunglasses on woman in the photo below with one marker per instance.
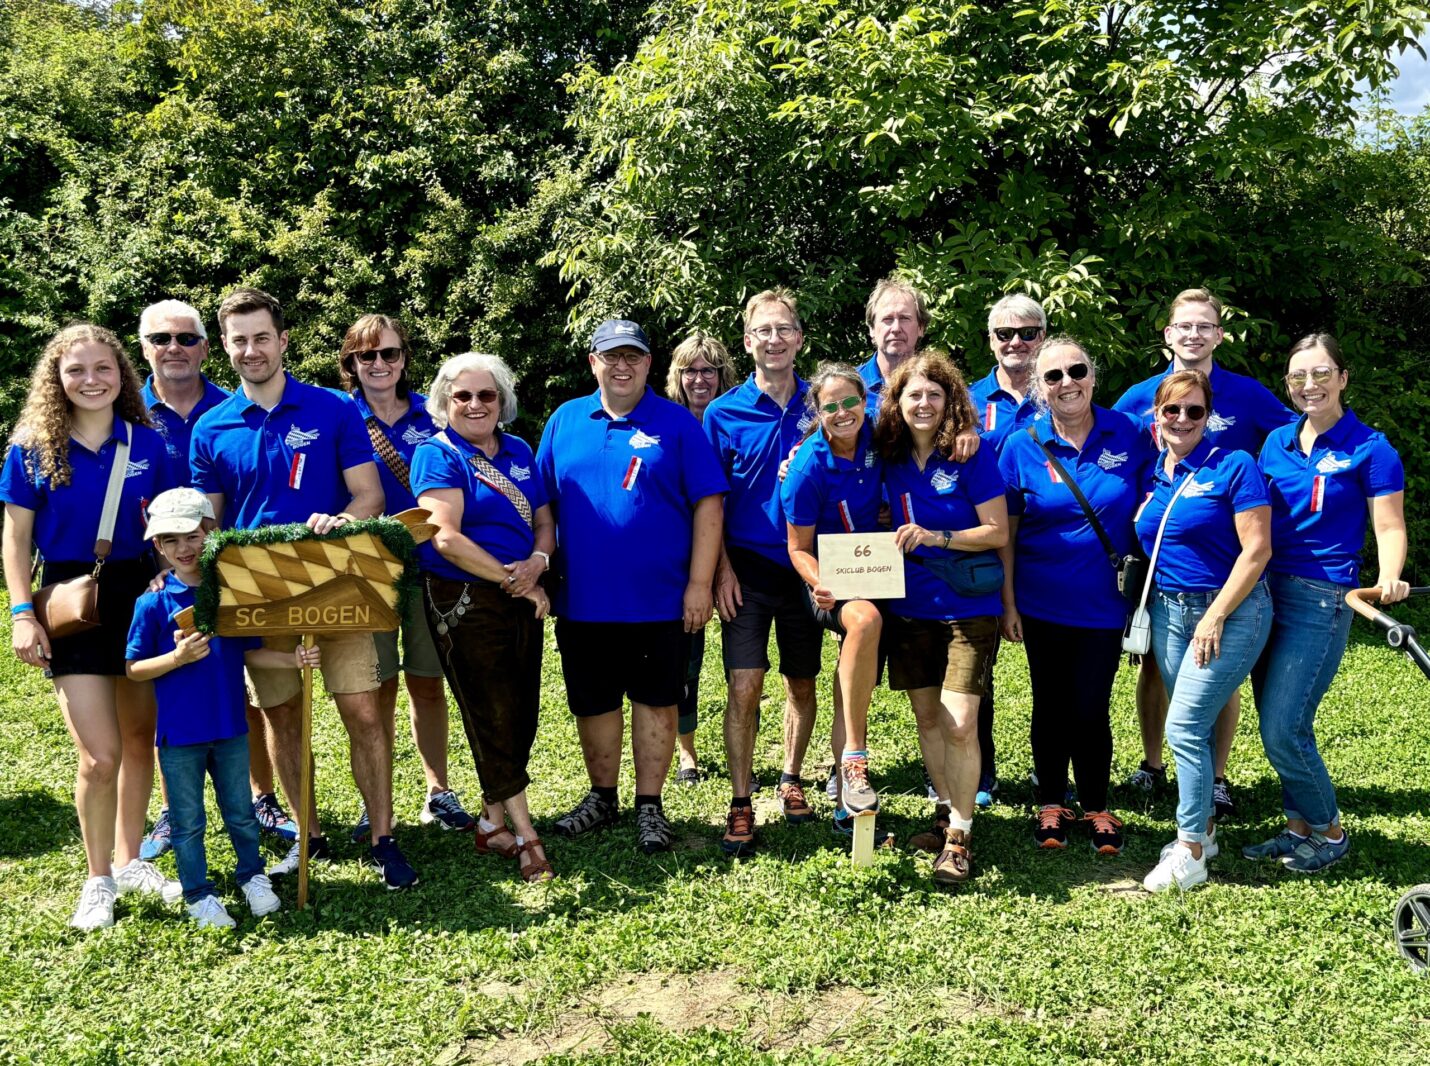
(1195, 412)
(465, 396)
(389, 355)
(1076, 372)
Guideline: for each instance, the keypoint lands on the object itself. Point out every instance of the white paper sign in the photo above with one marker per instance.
(861, 566)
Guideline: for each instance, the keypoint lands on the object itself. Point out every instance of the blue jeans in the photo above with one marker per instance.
(1308, 640)
(1198, 693)
(226, 761)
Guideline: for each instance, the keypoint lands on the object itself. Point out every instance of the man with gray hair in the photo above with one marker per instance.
(1016, 327)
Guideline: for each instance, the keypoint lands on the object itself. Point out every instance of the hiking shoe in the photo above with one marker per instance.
(793, 804)
(688, 775)
(1210, 848)
(1052, 828)
(954, 864)
(652, 830)
(1278, 847)
(159, 840)
(362, 828)
(859, 794)
(210, 913)
(591, 813)
(396, 871)
(1106, 832)
(317, 849)
(1178, 869)
(272, 818)
(1221, 797)
(932, 840)
(987, 789)
(1148, 779)
(95, 909)
(258, 890)
(739, 838)
(446, 810)
(144, 877)
(1315, 853)
(929, 790)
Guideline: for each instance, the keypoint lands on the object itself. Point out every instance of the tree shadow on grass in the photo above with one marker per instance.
(35, 822)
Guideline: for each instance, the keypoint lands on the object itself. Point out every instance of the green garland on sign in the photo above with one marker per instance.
(394, 535)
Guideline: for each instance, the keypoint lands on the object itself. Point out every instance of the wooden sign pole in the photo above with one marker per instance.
(305, 804)
(863, 851)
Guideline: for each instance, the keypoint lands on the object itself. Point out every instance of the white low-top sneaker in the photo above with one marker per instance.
(141, 876)
(209, 913)
(1210, 850)
(1178, 869)
(258, 890)
(96, 905)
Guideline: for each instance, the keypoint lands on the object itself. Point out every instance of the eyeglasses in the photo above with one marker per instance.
(1076, 372)
(1195, 412)
(616, 357)
(848, 404)
(466, 396)
(1195, 329)
(700, 372)
(765, 333)
(390, 356)
(186, 340)
(1318, 375)
(1023, 333)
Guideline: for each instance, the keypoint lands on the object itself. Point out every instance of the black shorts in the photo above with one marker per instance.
(604, 662)
(100, 650)
(771, 594)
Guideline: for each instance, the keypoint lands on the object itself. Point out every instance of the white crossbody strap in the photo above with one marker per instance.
(104, 543)
(1161, 528)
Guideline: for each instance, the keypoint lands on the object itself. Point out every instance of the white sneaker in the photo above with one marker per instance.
(141, 876)
(209, 913)
(258, 890)
(1179, 869)
(96, 905)
(1210, 850)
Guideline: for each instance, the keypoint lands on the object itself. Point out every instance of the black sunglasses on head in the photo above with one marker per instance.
(1024, 333)
(186, 340)
(389, 355)
(1076, 372)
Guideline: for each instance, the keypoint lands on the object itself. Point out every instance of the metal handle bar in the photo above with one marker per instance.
(1398, 635)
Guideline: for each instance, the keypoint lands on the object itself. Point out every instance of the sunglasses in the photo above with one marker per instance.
(1023, 333)
(1195, 412)
(1319, 375)
(465, 396)
(1076, 372)
(389, 356)
(847, 404)
(186, 340)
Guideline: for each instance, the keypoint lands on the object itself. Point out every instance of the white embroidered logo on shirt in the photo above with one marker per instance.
(1198, 488)
(135, 468)
(1216, 423)
(1329, 464)
(805, 422)
(642, 439)
(1111, 460)
(868, 459)
(413, 435)
(942, 481)
(520, 473)
(299, 438)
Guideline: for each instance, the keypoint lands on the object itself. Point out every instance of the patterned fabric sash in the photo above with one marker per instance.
(389, 454)
(487, 473)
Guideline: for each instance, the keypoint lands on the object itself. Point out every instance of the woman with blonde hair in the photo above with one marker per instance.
(84, 415)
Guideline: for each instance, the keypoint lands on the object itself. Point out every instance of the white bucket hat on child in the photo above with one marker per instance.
(177, 511)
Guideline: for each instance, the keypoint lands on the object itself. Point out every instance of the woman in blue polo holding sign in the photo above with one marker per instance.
(1328, 473)
(950, 519)
(833, 486)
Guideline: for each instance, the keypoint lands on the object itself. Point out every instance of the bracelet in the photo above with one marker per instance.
(947, 539)
(20, 608)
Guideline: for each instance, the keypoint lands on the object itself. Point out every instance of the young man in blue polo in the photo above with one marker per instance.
(280, 451)
(637, 494)
(1245, 411)
(753, 427)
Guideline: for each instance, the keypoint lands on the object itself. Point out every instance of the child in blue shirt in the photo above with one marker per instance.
(201, 726)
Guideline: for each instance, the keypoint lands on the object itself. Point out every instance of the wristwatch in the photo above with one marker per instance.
(545, 556)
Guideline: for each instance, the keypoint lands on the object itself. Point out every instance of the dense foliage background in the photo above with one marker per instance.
(503, 175)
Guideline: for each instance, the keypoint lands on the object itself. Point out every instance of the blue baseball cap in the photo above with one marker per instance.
(619, 333)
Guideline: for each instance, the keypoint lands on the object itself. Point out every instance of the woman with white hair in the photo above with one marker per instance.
(482, 573)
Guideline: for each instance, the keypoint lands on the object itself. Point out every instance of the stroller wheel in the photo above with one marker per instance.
(1412, 927)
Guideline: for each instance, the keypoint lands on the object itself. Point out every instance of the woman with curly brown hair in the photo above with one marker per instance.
(83, 414)
(950, 519)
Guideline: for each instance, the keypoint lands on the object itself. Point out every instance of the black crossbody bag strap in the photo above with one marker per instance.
(1112, 554)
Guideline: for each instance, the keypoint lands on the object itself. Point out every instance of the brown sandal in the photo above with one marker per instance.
(954, 864)
(537, 869)
(482, 842)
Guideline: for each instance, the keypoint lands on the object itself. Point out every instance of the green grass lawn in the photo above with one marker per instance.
(792, 956)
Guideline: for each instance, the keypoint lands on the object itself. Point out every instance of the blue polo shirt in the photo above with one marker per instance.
(752, 436)
(67, 517)
(1244, 411)
(624, 491)
(175, 428)
(945, 494)
(1061, 572)
(489, 519)
(281, 465)
(1319, 505)
(405, 435)
(1200, 544)
(999, 412)
(831, 494)
(873, 386)
(200, 702)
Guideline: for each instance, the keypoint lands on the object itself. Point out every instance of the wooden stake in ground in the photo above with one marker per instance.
(863, 850)
(305, 803)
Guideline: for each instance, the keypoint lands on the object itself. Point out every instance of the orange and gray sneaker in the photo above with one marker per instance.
(932, 839)
(793, 804)
(739, 838)
(1051, 830)
(859, 795)
(954, 864)
(1106, 832)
